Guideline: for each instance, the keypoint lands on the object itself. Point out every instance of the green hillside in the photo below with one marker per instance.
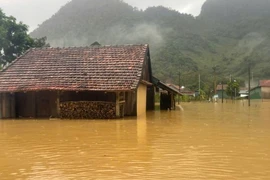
(219, 40)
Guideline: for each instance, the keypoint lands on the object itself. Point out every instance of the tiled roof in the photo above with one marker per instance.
(104, 68)
(183, 90)
(163, 86)
(219, 87)
(264, 83)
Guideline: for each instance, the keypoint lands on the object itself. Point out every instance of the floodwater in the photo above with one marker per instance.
(204, 141)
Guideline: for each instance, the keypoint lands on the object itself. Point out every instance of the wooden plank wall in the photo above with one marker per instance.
(46, 104)
(131, 104)
(40, 104)
(7, 102)
(25, 105)
(150, 98)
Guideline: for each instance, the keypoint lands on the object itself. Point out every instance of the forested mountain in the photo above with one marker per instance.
(219, 40)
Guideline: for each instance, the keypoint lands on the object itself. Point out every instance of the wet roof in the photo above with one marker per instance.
(264, 83)
(99, 68)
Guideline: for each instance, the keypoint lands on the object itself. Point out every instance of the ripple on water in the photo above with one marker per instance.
(205, 141)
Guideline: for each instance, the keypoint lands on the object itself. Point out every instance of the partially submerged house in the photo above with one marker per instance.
(167, 94)
(183, 90)
(221, 91)
(99, 82)
(262, 91)
(243, 93)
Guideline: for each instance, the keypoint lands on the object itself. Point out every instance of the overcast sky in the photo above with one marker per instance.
(34, 12)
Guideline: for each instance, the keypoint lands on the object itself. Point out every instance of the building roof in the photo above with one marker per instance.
(164, 86)
(219, 87)
(264, 83)
(100, 68)
(183, 90)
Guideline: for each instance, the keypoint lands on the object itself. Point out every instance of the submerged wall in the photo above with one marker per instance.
(266, 92)
(7, 105)
(141, 99)
(256, 93)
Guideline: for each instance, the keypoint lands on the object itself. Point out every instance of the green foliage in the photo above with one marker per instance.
(185, 98)
(201, 96)
(233, 88)
(40, 42)
(157, 97)
(14, 40)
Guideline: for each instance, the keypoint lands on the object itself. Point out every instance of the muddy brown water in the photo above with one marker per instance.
(204, 141)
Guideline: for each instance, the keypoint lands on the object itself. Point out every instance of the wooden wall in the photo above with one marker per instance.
(165, 101)
(7, 105)
(40, 104)
(45, 104)
(150, 98)
(25, 105)
(147, 76)
(130, 104)
(87, 96)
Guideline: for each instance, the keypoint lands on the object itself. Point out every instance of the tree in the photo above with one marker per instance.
(95, 44)
(233, 88)
(14, 40)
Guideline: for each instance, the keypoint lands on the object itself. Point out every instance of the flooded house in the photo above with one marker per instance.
(221, 91)
(167, 94)
(262, 91)
(100, 82)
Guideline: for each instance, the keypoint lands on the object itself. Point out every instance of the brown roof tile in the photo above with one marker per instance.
(264, 83)
(104, 68)
(219, 87)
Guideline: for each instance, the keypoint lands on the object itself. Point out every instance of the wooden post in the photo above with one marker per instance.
(249, 84)
(12, 106)
(34, 102)
(222, 91)
(6, 107)
(123, 102)
(1, 109)
(117, 110)
(58, 104)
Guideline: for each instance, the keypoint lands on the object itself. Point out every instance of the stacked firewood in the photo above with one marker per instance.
(87, 110)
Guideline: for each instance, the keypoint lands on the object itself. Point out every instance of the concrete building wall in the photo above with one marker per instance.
(141, 99)
(265, 92)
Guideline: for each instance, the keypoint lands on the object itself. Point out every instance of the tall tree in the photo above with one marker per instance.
(233, 88)
(14, 40)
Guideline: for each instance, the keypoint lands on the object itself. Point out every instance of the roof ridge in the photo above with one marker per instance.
(93, 47)
(18, 58)
(119, 68)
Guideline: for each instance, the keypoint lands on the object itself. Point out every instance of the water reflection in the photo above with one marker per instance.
(204, 141)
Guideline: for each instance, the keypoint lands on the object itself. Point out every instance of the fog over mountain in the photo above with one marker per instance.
(34, 12)
(226, 35)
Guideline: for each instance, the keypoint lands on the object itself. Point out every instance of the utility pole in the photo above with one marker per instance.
(248, 83)
(199, 86)
(222, 91)
(179, 87)
(215, 79)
